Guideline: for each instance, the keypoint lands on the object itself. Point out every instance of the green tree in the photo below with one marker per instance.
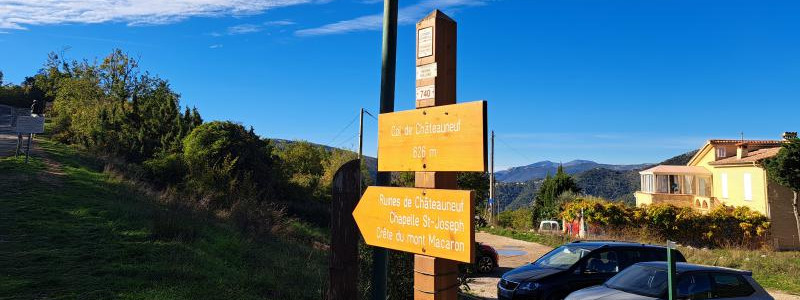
(477, 182)
(223, 156)
(784, 169)
(303, 164)
(546, 205)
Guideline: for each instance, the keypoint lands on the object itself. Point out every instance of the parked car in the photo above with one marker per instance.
(574, 266)
(486, 258)
(648, 280)
(549, 227)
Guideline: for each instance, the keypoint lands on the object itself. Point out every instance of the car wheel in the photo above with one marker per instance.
(485, 264)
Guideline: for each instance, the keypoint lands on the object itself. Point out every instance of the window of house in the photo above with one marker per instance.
(724, 178)
(647, 183)
(688, 186)
(662, 185)
(702, 187)
(748, 186)
(721, 152)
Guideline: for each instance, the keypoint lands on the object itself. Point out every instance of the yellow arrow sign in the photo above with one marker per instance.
(432, 222)
(440, 138)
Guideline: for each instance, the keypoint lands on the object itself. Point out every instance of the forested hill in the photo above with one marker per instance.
(370, 162)
(540, 169)
(612, 184)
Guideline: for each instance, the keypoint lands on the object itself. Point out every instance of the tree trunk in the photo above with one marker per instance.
(796, 214)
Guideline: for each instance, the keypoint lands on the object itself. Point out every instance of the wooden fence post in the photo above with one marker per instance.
(344, 233)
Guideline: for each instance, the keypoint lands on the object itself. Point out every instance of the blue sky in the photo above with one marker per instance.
(612, 81)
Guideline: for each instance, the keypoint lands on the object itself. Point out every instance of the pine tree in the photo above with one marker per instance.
(546, 205)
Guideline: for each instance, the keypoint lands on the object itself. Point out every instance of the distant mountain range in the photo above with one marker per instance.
(540, 170)
(613, 182)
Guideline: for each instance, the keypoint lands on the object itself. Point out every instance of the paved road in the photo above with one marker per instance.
(515, 253)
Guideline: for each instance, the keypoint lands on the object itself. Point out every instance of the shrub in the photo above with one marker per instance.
(723, 226)
(520, 219)
(221, 157)
(165, 170)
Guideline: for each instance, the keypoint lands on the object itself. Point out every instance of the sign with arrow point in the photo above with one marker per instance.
(436, 222)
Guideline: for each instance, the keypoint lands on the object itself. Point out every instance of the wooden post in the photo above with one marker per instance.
(436, 278)
(494, 207)
(344, 233)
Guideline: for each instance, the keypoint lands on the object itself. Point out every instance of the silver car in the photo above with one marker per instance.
(648, 280)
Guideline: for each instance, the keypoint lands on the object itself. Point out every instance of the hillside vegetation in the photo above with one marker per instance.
(71, 231)
(615, 182)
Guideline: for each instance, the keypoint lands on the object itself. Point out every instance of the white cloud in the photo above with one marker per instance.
(252, 28)
(279, 23)
(215, 46)
(15, 14)
(406, 15)
(244, 28)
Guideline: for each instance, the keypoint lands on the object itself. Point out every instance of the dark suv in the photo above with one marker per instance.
(574, 266)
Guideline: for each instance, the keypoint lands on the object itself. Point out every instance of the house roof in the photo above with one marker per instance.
(749, 142)
(709, 145)
(752, 157)
(676, 170)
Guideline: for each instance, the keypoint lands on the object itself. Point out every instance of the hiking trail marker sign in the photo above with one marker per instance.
(439, 138)
(436, 140)
(433, 222)
(29, 124)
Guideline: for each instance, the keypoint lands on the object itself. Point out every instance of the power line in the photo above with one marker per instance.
(343, 129)
(367, 112)
(339, 145)
(514, 149)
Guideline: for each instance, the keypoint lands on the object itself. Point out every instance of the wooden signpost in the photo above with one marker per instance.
(434, 220)
(423, 221)
(440, 138)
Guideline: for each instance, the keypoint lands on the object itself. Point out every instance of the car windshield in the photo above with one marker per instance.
(641, 280)
(562, 257)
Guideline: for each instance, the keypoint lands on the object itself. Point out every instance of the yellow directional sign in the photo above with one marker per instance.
(436, 223)
(441, 138)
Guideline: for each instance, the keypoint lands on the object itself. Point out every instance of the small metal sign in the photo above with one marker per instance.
(29, 124)
(426, 71)
(426, 92)
(425, 45)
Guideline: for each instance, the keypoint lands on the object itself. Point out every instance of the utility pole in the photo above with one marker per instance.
(360, 150)
(493, 204)
(380, 256)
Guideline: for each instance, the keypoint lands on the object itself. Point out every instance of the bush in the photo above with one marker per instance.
(723, 226)
(259, 218)
(519, 219)
(165, 170)
(223, 157)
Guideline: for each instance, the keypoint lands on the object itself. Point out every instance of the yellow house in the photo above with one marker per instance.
(726, 172)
